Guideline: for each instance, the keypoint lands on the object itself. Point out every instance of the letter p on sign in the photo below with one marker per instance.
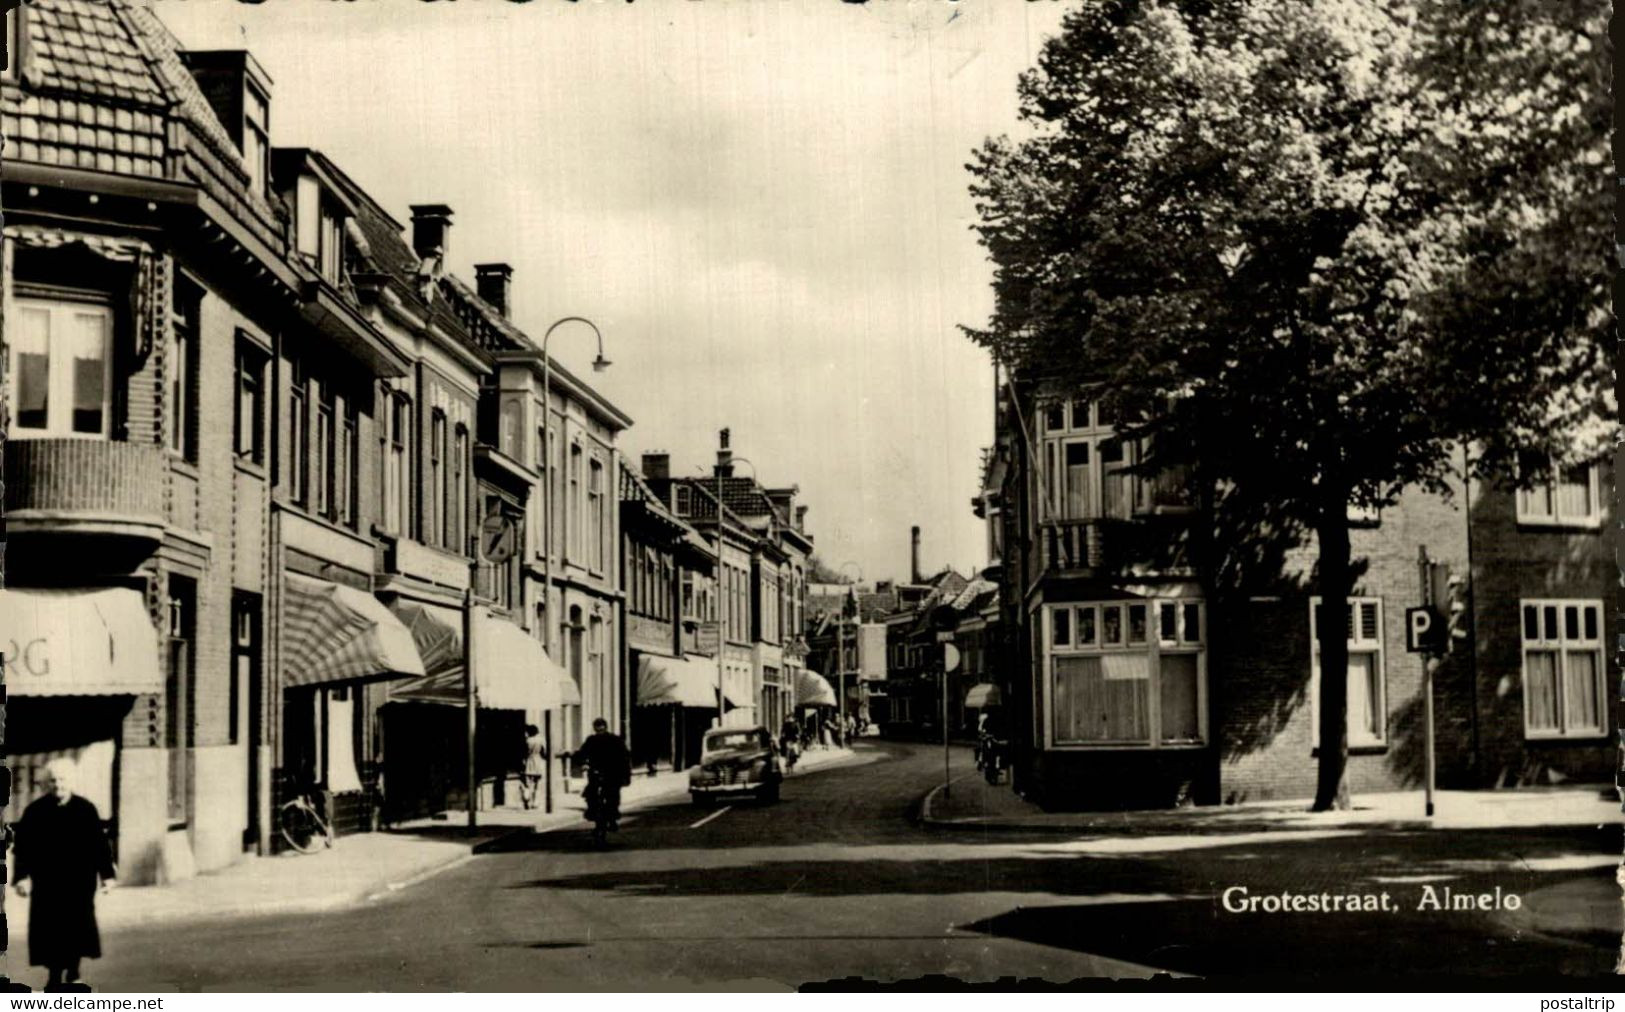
(1422, 630)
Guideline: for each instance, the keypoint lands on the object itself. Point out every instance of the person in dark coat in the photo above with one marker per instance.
(609, 769)
(61, 860)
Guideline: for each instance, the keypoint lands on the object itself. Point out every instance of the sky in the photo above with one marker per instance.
(763, 206)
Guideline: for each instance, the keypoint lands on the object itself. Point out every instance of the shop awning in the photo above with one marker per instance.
(333, 633)
(983, 694)
(512, 671)
(683, 681)
(91, 642)
(813, 690)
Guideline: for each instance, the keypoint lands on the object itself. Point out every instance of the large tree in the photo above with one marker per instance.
(1311, 248)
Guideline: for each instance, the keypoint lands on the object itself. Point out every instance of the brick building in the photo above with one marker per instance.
(1139, 685)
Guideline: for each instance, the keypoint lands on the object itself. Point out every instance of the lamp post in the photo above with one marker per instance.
(599, 364)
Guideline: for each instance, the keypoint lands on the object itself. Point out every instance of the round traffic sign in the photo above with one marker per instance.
(499, 537)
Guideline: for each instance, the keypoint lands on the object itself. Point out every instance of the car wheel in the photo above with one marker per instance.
(700, 800)
(768, 794)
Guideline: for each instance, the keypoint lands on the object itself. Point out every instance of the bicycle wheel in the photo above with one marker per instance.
(302, 828)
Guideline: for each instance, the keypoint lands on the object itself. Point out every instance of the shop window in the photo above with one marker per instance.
(1127, 673)
(1367, 702)
(1564, 675)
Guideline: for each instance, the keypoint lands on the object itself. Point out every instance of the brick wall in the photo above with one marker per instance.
(1512, 562)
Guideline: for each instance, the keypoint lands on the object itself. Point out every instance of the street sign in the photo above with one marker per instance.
(950, 658)
(1424, 633)
(499, 537)
(945, 637)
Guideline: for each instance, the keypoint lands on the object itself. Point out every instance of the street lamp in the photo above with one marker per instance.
(599, 364)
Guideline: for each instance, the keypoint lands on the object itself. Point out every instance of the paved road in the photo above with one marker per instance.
(838, 880)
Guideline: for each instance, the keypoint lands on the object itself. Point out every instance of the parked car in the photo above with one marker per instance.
(735, 761)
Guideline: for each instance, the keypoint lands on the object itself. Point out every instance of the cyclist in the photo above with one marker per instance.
(609, 768)
(790, 740)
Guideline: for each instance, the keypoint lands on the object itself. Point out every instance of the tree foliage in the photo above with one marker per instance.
(1311, 248)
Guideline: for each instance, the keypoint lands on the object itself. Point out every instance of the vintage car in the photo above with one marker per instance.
(735, 761)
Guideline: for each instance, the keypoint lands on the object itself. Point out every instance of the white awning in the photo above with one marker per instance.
(982, 695)
(812, 689)
(513, 672)
(333, 633)
(91, 642)
(683, 681)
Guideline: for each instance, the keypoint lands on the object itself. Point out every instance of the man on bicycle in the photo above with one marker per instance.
(609, 768)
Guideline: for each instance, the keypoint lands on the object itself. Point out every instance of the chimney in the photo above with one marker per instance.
(657, 465)
(431, 230)
(801, 518)
(495, 284)
(914, 553)
(725, 456)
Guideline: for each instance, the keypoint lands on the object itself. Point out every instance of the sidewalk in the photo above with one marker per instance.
(363, 865)
(971, 802)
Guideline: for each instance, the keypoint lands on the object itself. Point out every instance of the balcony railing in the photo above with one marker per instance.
(85, 486)
(1072, 544)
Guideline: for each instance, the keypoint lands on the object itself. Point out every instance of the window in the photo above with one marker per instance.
(249, 419)
(330, 254)
(1127, 673)
(243, 690)
(508, 439)
(459, 490)
(323, 459)
(348, 494)
(1085, 465)
(573, 506)
(181, 368)
(397, 466)
(61, 368)
(595, 515)
(256, 139)
(1560, 495)
(1564, 677)
(1367, 703)
(439, 485)
(299, 435)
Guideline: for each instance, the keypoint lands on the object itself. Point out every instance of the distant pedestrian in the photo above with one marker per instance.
(61, 859)
(535, 766)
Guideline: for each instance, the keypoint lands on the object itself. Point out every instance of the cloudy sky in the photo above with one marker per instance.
(762, 205)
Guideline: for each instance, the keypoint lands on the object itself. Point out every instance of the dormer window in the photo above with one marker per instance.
(321, 229)
(256, 139)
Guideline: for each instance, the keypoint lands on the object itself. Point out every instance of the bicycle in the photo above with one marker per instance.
(303, 827)
(602, 811)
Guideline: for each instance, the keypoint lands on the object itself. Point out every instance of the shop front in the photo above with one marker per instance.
(79, 664)
(424, 722)
(336, 641)
(676, 703)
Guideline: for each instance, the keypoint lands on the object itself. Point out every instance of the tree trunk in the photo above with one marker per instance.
(1332, 625)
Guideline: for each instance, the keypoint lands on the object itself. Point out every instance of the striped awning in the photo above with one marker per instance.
(333, 633)
(683, 681)
(812, 689)
(91, 642)
(512, 671)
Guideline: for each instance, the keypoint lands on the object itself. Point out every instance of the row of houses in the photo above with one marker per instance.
(285, 498)
(1136, 677)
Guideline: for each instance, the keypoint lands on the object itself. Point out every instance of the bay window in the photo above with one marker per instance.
(1367, 697)
(1085, 465)
(1564, 675)
(1127, 673)
(61, 369)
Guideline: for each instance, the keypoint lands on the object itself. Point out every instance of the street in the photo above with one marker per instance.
(839, 880)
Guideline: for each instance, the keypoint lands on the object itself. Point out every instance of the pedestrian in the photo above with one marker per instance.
(61, 859)
(535, 765)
